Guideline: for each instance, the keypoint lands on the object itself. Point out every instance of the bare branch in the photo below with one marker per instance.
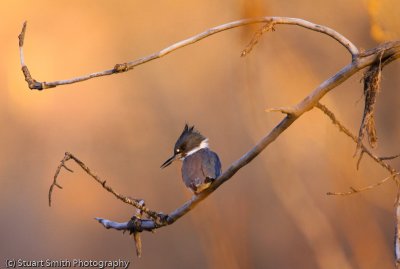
(124, 67)
(121, 226)
(134, 202)
(141, 225)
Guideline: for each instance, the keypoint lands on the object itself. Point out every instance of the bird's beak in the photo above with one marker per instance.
(169, 161)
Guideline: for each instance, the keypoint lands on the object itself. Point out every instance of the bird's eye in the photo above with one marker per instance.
(177, 150)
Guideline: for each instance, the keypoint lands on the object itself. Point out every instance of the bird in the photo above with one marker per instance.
(200, 165)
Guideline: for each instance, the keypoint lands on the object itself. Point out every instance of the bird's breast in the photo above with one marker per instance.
(200, 169)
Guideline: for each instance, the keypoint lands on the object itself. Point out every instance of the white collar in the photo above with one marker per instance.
(203, 144)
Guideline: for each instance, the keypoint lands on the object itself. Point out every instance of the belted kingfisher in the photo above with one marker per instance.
(201, 166)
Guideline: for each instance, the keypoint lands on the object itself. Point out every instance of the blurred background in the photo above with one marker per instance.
(274, 213)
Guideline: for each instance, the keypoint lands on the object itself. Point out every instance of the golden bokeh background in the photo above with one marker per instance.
(274, 213)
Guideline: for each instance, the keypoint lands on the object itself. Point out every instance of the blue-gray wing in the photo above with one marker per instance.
(200, 169)
(211, 165)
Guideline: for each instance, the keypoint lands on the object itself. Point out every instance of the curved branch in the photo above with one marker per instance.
(124, 67)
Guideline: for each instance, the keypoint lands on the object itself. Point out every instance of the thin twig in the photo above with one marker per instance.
(134, 202)
(269, 26)
(369, 187)
(124, 67)
(360, 158)
(389, 157)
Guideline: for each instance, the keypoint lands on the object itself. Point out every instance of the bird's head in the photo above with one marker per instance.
(188, 143)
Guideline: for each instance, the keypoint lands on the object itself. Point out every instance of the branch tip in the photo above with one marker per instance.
(359, 158)
(367, 188)
(389, 157)
(284, 110)
(21, 36)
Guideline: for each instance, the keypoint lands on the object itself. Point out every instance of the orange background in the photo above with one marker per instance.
(273, 214)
